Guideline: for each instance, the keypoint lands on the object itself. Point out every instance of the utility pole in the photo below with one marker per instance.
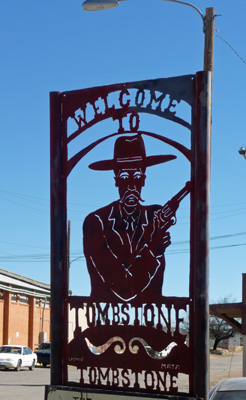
(209, 40)
(201, 224)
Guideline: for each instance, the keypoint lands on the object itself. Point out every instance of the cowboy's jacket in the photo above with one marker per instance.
(124, 255)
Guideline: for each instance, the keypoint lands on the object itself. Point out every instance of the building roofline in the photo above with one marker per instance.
(21, 278)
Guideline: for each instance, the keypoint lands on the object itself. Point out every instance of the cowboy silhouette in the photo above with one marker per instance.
(124, 242)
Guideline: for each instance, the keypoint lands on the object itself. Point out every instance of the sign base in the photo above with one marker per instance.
(53, 392)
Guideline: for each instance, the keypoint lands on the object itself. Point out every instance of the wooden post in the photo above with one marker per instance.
(209, 40)
(208, 66)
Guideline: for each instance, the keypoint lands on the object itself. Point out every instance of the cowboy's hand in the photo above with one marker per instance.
(159, 238)
(166, 240)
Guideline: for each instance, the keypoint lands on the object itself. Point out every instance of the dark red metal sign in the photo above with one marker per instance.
(130, 337)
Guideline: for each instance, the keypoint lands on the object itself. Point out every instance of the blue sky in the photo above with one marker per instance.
(56, 46)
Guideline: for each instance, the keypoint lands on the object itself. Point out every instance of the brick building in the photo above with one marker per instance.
(24, 310)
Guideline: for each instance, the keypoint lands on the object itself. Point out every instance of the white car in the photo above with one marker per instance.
(12, 356)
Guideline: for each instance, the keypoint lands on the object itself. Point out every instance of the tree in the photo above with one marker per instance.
(219, 330)
(218, 327)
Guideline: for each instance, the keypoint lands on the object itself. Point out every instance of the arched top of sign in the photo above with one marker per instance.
(158, 97)
(77, 157)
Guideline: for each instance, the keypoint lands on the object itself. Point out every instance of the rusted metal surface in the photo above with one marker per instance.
(122, 347)
(130, 240)
(72, 393)
(131, 336)
(59, 281)
(200, 224)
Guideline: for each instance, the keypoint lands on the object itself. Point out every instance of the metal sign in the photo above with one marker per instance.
(130, 336)
(71, 393)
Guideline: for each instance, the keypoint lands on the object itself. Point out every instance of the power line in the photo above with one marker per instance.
(46, 258)
(46, 202)
(230, 235)
(78, 256)
(25, 196)
(182, 251)
(213, 215)
(23, 245)
(228, 44)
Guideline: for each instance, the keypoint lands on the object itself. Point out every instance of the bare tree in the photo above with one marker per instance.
(219, 328)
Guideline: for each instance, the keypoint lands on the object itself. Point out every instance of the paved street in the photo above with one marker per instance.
(23, 385)
(29, 385)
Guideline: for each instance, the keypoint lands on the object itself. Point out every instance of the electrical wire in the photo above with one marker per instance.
(45, 257)
(46, 207)
(76, 256)
(228, 44)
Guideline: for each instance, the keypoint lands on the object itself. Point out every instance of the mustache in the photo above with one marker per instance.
(134, 192)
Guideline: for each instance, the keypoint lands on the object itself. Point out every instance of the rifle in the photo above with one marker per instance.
(166, 216)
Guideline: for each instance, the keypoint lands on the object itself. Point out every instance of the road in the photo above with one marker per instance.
(23, 385)
(29, 385)
(225, 367)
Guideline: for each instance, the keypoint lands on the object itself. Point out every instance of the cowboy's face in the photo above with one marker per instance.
(130, 183)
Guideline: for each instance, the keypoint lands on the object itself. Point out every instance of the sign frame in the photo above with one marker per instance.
(200, 178)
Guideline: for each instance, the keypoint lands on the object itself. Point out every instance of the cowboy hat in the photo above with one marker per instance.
(129, 152)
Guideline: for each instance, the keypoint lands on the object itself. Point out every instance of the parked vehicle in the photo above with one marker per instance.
(43, 354)
(229, 389)
(12, 356)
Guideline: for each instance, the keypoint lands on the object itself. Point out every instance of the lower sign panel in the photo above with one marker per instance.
(70, 393)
